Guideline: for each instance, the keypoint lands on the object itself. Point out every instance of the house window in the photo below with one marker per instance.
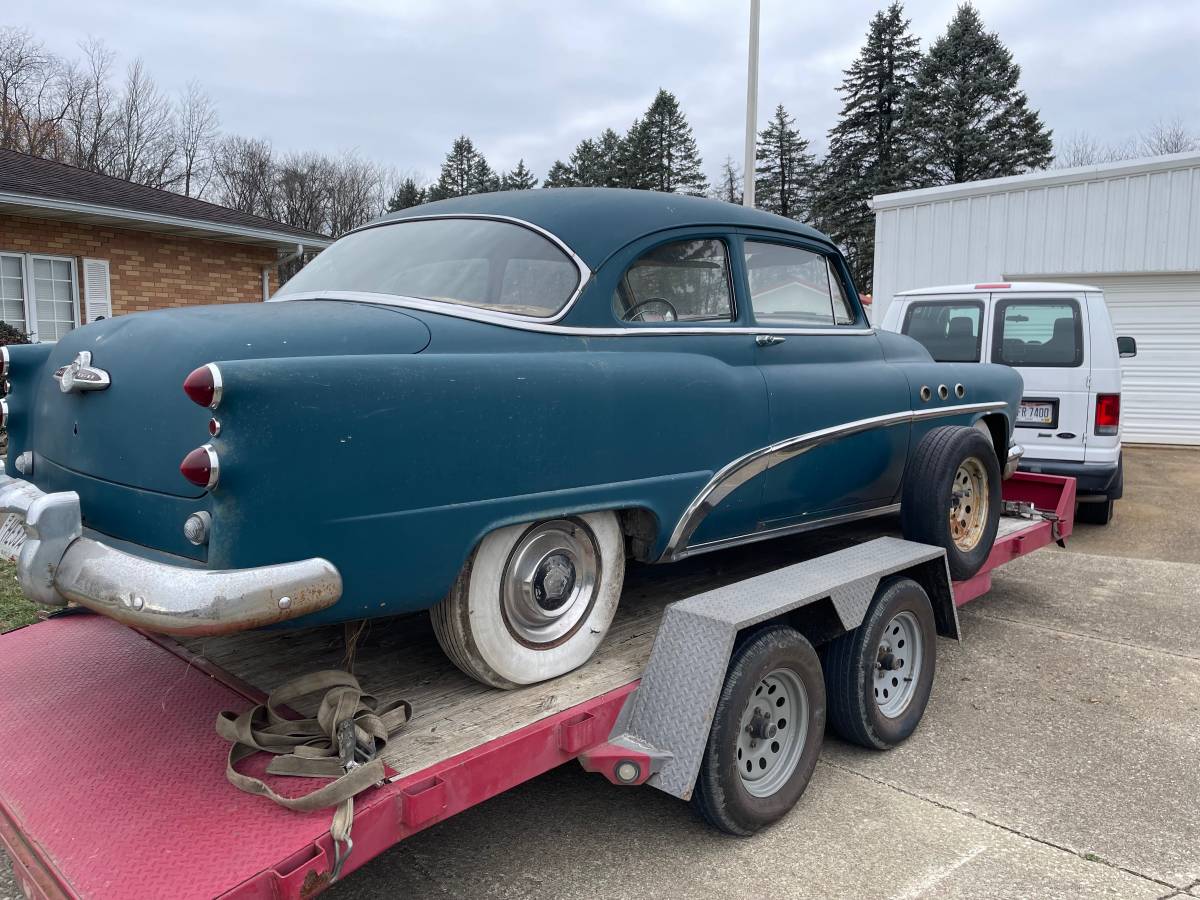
(51, 283)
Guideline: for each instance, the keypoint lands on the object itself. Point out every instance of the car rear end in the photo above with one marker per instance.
(1060, 339)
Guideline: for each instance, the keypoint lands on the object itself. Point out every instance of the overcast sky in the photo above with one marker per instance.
(397, 80)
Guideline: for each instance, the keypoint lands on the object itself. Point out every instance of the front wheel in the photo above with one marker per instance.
(766, 733)
(951, 497)
(533, 601)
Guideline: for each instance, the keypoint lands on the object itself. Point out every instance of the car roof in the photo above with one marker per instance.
(596, 222)
(1040, 287)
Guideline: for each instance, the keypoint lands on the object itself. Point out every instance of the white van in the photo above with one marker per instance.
(1060, 338)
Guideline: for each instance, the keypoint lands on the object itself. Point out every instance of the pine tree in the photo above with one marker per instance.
(633, 169)
(729, 188)
(866, 152)
(668, 148)
(465, 171)
(407, 194)
(559, 175)
(785, 170)
(518, 179)
(966, 117)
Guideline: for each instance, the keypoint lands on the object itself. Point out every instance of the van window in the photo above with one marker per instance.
(1038, 333)
(951, 330)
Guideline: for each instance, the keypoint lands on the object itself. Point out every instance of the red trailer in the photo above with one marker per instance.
(113, 781)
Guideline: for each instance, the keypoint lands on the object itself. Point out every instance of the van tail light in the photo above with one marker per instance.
(1108, 413)
(204, 386)
(201, 467)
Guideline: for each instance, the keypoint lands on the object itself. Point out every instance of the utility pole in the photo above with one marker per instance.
(751, 109)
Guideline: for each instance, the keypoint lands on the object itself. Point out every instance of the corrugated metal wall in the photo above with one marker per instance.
(1121, 218)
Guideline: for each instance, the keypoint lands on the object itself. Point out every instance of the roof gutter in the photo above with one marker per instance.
(77, 207)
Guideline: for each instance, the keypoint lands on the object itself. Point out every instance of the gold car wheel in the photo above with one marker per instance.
(969, 504)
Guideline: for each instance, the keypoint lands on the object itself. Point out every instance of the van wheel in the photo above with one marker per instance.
(533, 601)
(951, 497)
(1095, 512)
(878, 677)
(766, 733)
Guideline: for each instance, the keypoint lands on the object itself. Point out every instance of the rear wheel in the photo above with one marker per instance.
(766, 733)
(1099, 512)
(534, 601)
(878, 677)
(951, 497)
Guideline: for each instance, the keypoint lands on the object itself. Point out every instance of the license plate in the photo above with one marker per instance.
(1037, 412)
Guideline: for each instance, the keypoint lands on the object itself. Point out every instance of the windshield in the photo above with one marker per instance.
(481, 263)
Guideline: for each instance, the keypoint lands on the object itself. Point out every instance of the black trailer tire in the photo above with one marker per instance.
(741, 789)
(951, 497)
(1095, 512)
(870, 701)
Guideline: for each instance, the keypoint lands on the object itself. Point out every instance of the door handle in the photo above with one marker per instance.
(768, 340)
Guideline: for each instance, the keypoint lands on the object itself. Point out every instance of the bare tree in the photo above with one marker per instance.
(302, 190)
(243, 174)
(1167, 136)
(35, 94)
(91, 120)
(357, 193)
(147, 151)
(1081, 149)
(196, 136)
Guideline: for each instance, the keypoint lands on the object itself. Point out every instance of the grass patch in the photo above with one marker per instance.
(15, 610)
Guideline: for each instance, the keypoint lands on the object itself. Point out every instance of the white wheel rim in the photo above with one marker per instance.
(549, 582)
(772, 732)
(898, 662)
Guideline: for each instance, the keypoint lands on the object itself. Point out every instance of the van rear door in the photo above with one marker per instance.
(1044, 337)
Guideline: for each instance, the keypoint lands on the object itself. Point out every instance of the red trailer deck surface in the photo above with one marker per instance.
(113, 779)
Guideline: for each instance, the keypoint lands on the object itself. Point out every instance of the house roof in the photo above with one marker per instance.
(595, 222)
(1121, 169)
(44, 188)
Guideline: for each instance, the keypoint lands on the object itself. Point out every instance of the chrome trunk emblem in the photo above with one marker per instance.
(81, 375)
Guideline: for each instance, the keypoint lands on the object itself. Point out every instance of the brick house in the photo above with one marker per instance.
(76, 246)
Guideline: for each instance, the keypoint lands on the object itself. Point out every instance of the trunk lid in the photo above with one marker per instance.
(137, 430)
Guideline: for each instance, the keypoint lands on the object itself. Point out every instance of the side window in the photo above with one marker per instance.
(793, 286)
(951, 331)
(1038, 333)
(684, 281)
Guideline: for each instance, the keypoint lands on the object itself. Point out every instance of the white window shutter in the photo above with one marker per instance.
(97, 297)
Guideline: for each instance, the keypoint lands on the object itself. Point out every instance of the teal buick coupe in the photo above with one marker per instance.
(484, 407)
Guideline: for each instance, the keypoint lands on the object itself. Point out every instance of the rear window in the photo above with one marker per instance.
(1038, 333)
(482, 263)
(950, 330)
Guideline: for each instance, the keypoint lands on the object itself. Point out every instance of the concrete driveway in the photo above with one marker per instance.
(1060, 756)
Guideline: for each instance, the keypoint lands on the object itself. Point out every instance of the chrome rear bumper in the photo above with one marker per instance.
(1015, 452)
(58, 564)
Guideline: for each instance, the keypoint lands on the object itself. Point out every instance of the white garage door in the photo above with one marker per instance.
(1160, 387)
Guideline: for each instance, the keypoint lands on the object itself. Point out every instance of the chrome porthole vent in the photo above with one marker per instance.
(943, 391)
(960, 391)
(926, 393)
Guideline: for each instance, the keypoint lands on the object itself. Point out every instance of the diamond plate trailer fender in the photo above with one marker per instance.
(669, 716)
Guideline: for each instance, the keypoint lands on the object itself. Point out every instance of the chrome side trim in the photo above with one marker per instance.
(507, 320)
(784, 530)
(754, 463)
(585, 272)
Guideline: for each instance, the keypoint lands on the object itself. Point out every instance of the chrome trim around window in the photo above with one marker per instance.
(545, 326)
(585, 272)
(785, 530)
(754, 463)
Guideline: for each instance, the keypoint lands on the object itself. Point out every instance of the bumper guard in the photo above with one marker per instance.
(1015, 452)
(57, 564)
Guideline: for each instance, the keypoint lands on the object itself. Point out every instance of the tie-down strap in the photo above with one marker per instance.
(344, 742)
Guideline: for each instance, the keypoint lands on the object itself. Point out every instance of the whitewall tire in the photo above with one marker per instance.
(534, 601)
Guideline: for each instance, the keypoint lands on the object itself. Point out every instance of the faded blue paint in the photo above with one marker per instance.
(391, 441)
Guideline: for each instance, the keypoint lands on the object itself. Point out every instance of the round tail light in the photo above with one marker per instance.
(203, 386)
(201, 467)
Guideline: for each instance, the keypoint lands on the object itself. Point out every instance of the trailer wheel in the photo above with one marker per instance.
(766, 733)
(533, 601)
(878, 677)
(951, 497)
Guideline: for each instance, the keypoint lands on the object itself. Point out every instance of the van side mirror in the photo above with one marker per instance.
(1126, 347)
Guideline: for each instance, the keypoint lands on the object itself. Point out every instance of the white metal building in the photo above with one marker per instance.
(1131, 228)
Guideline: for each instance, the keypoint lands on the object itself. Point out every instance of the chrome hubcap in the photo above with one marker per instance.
(968, 504)
(898, 664)
(772, 732)
(550, 581)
